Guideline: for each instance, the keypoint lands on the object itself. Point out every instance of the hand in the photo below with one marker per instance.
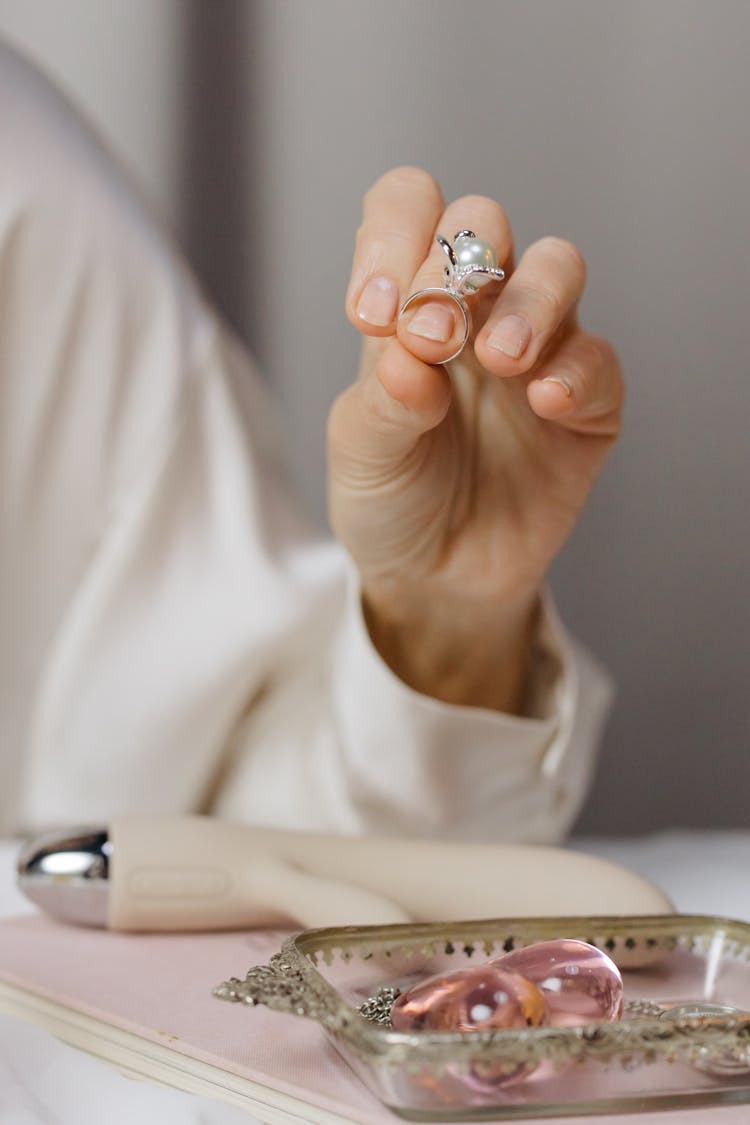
(454, 488)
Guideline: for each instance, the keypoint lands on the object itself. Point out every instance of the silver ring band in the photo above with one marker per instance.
(458, 301)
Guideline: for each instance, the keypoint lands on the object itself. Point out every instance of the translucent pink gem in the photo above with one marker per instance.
(475, 999)
(579, 983)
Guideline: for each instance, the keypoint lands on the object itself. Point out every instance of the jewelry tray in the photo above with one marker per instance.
(644, 1061)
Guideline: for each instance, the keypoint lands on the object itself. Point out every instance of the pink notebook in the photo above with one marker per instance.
(143, 1003)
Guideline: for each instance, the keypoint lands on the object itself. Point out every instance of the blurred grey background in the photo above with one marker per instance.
(255, 126)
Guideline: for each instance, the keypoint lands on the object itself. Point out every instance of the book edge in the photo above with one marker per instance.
(141, 1058)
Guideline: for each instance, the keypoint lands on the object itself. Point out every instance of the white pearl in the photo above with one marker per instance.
(475, 252)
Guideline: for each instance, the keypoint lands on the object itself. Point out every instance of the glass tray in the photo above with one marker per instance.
(684, 1039)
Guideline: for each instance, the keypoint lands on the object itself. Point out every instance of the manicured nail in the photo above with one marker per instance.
(378, 302)
(511, 336)
(562, 381)
(433, 322)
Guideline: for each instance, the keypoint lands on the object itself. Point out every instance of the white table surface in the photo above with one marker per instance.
(45, 1082)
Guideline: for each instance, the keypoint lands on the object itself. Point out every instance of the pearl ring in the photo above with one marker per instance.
(471, 264)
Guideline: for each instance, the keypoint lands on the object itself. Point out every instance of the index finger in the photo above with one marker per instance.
(400, 213)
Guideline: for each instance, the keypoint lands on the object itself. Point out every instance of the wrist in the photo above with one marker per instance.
(453, 650)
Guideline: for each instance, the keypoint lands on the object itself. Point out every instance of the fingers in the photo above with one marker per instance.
(433, 328)
(398, 223)
(580, 387)
(543, 291)
(382, 416)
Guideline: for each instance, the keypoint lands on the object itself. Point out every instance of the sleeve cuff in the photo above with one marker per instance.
(419, 766)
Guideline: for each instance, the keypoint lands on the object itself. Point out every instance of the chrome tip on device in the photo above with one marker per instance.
(66, 873)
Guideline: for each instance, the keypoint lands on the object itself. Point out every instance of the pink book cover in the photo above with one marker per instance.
(157, 987)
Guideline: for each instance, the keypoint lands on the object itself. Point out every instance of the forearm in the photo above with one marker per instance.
(456, 653)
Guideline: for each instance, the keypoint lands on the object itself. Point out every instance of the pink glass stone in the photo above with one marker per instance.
(475, 999)
(579, 983)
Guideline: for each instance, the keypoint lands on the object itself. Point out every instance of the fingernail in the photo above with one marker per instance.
(378, 302)
(433, 322)
(562, 381)
(511, 336)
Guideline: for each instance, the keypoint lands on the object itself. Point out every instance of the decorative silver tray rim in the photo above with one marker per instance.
(291, 983)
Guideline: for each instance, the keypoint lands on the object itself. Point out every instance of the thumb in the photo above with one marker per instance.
(382, 416)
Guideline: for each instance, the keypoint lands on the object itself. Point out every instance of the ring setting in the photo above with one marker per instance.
(471, 264)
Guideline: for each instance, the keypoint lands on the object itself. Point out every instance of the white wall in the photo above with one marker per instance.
(121, 60)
